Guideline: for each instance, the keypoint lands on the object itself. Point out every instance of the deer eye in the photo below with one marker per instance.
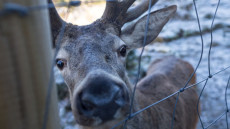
(122, 50)
(60, 63)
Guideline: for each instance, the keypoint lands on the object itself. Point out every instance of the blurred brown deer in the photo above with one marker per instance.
(91, 59)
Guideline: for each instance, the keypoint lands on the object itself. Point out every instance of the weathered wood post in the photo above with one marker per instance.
(25, 65)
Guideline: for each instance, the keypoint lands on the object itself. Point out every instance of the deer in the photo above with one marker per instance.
(91, 59)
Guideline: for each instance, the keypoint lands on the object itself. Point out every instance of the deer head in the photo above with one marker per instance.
(91, 58)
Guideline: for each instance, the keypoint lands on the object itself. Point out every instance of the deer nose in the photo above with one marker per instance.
(101, 98)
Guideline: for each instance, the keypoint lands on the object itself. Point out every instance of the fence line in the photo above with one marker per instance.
(11, 8)
(53, 64)
(173, 94)
(139, 62)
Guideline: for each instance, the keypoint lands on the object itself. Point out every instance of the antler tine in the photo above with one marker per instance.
(116, 10)
(136, 11)
(119, 12)
(110, 10)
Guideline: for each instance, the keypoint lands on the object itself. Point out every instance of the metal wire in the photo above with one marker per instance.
(12, 8)
(21, 10)
(202, 46)
(139, 61)
(209, 53)
(215, 120)
(226, 102)
(174, 110)
(50, 86)
(198, 103)
(198, 64)
(210, 48)
(171, 95)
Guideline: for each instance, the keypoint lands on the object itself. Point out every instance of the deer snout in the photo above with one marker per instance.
(101, 98)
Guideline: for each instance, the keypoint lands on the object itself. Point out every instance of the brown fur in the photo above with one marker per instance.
(164, 77)
(94, 70)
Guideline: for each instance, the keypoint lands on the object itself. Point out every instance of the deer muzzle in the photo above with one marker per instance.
(100, 98)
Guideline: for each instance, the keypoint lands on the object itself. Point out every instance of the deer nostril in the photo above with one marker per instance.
(119, 98)
(87, 105)
(107, 58)
(101, 97)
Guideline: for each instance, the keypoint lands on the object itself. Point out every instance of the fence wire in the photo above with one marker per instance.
(23, 11)
(48, 96)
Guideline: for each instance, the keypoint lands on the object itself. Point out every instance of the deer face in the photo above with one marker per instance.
(93, 68)
(92, 59)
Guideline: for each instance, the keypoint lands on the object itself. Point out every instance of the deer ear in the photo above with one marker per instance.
(55, 21)
(133, 34)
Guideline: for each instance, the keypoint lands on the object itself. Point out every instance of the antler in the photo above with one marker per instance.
(120, 12)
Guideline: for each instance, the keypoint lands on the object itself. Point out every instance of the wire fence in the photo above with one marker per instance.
(23, 11)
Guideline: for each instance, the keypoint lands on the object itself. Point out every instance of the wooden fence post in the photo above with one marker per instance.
(25, 65)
